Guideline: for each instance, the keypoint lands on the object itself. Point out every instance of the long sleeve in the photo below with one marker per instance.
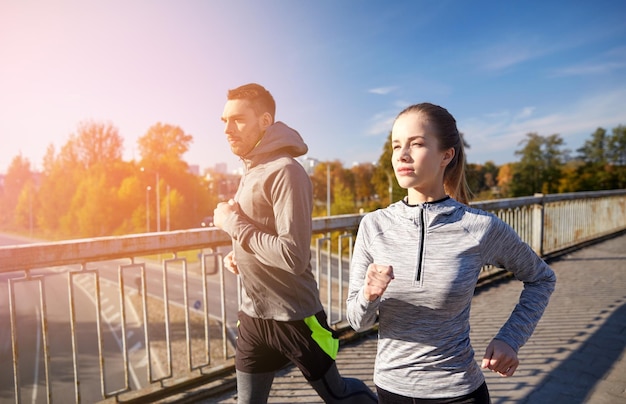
(506, 250)
(361, 313)
(285, 244)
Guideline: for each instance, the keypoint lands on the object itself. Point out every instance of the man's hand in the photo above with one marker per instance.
(222, 211)
(500, 358)
(230, 263)
(377, 279)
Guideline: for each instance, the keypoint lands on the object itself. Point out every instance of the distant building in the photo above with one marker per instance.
(221, 168)
(309, 164)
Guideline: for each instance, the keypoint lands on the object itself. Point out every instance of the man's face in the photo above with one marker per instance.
(242, 126)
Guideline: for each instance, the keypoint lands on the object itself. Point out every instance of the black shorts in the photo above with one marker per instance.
(268, 345)
(478, 396)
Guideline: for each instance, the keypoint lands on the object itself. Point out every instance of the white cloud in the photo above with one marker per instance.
(382, 90)
(525, 113)
(498, 59)
(606, 63)
(589, 69)
(522, 47)
(381, 124)
(511, 51)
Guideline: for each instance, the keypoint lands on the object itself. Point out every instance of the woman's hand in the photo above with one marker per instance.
(377, 279)
(500, 358)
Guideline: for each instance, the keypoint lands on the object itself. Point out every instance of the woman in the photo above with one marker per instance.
(415, 267)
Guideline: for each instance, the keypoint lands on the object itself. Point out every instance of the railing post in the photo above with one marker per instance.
(537, 228)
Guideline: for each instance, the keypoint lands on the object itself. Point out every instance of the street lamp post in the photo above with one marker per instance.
(158, 200)
(327, 189)
(30, 207)
(389, 179)
(148, 209)
(167, 212)
(390, 189)
(158, 204)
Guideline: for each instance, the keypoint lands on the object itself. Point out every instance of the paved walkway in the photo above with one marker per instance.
(577, 354)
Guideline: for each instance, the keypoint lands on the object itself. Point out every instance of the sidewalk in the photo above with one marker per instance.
(576, 355)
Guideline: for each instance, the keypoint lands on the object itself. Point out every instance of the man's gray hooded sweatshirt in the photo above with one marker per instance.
(437, 251)
(272, 232)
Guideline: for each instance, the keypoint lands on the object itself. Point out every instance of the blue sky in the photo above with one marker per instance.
(340, 70)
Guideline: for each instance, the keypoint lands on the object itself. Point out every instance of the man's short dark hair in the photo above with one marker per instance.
(261, 99)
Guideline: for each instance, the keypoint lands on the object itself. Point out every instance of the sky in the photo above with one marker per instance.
(340, 71)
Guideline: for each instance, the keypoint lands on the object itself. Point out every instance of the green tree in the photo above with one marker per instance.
(540, 167)
(177, 209)
(384, 179)
(481, 180)
(17, 179)
(490, 174)
(77, 189)
(601, 161)
(163, 143)
(328, 174)
(26, 208)
(594, 150)
(131, 193)
(554, 157)
(92, 207)
(527, 172)
(617, 155)
(592, 173)
(504, 180)
(60, 177)
(162, 149)
(97, 143)
(571, 176)
(363, 187)
(343, 201)
(617, 146)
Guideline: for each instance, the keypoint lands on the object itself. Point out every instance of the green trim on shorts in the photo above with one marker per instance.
(323, 337)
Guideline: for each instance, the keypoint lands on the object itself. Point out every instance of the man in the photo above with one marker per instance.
(281, 318)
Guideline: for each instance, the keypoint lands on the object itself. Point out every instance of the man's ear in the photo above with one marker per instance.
(266, 120)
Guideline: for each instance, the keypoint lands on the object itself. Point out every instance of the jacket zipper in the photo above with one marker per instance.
(420, 257)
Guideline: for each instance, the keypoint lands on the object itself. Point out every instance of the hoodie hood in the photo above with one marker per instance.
(279, 137)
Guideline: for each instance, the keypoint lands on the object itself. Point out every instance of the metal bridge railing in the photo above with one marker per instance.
(141, 317)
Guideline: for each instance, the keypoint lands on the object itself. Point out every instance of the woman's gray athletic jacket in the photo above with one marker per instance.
(437, 251)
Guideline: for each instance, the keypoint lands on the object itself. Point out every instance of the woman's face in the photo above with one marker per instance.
(417, 161)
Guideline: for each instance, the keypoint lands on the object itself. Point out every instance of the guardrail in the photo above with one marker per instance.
(141, 317)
